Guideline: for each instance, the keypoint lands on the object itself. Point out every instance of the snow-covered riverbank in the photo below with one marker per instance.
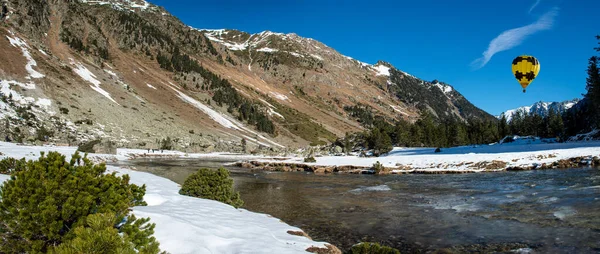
(520, 154)
(192, 225)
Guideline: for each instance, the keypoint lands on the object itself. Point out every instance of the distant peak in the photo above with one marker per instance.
(384, 63)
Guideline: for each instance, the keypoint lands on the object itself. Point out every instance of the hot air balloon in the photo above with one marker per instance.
(525, 68)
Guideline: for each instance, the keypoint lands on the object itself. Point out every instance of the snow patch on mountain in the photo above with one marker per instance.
(131, 5)
(19, 43)
(445, 88)
(397, 109)
(222, 119)
(12, 95)
(268, 104)
(280, 96)
(272, 112)
(294, 54)
(317, 57)
(88, 76)
(382, 70)
(268, 50)
(214, 115)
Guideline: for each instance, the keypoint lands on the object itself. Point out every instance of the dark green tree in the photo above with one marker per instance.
(372, 248)
(212, 184)
(43, 202)
(98, 235)
(503, 127)
(593, 88)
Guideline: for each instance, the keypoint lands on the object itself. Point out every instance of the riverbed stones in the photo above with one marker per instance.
(495, 165)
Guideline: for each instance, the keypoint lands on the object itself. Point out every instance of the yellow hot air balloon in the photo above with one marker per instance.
(525, 68)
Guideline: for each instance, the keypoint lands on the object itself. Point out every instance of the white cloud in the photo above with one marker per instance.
(514, 37)
(534, 5)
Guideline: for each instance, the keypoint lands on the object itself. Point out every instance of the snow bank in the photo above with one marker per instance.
(525, 140)
(592, 135)
(465, 158)
(193, 225)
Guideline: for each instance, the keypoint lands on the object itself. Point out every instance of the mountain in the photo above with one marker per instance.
(542, 108)
(129, 72)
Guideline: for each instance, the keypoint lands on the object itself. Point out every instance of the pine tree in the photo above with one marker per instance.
(98, 235)
(46, 199)
(383, 144)
(212, 184)
(593, 88)
(555, 125)
(503, 127)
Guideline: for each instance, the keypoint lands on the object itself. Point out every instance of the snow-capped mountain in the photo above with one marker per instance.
(541, 108)
(297, 56)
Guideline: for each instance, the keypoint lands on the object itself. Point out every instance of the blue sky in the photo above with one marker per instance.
(433, 39)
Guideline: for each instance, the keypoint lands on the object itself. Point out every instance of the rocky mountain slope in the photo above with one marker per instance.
(542, 108)
(129, 72)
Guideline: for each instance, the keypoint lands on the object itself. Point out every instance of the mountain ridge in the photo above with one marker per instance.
(541, 108)
(130, 72)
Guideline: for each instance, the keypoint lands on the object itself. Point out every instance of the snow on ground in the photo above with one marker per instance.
(268, 104)
(222, 119)
(317, 57)
(445, 88)
(44, 103)
(517, 154)
(88, 76)
(193, 225)
(17, 42)
(273, 112)
(6, 90)
(43, 52)
(592, 135)
(112, 73)
(382, 70)
(266, 49)
(294, 54)
(128, 4)
(216, 116)
(280, 96)
(397, 109)
(151, 86)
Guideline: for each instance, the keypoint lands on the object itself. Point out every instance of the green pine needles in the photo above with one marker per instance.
(53, 206)
(372, 248)
(212, 184)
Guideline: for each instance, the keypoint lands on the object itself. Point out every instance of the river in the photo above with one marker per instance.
(549, 211)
